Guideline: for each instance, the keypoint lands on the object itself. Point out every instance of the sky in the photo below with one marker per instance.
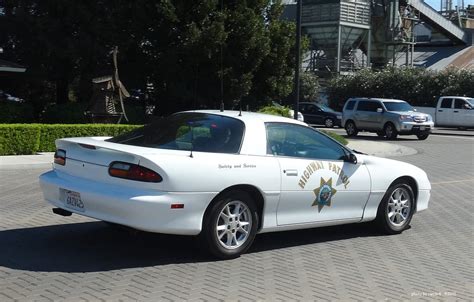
(436, 4)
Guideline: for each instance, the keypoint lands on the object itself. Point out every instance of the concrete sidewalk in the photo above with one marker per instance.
(45, 159)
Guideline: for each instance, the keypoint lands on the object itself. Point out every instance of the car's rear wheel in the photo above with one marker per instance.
(351, 129)
(396, 209)
(230, 225)
(329, 123)
(422, 136)
(390, 131)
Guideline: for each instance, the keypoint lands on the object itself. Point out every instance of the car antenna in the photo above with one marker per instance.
(222, 67)
(191, 124)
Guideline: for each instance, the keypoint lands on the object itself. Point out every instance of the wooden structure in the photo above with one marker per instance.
(107, 105)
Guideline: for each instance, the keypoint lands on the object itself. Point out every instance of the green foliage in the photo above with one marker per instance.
(70, 113)
(417, 86)
(19, 138)
(184, 47)
(276, 110)
(13, 112)
(309, 87)
(335, 136)
(32, 138)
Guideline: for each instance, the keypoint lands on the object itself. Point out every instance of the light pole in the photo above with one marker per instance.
(298, 59)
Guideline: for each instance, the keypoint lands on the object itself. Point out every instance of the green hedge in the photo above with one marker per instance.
(419, 87)
(32, 138)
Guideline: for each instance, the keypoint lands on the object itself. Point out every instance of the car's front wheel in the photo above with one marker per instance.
(396, 209)
(230, 225)
(422, 136)
(351, 129)
(390, 131)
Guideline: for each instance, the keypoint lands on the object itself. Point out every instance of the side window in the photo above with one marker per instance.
(363, 106)
(299, 141)
(446, 103)
(350, 105)
(312, 109)
(459, 104)
(374, 105)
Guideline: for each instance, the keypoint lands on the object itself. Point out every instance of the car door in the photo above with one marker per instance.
(444, 114)
(375, 118)
(462, 115)
(317, 185)
(312, 114)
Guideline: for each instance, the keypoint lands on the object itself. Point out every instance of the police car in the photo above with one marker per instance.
(226, 176)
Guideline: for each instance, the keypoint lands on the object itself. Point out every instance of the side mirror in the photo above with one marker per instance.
(351, 158)
(379, 110)
(466, 106)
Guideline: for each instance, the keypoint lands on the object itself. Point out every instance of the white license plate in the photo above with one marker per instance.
(72, 200)
(422, 128)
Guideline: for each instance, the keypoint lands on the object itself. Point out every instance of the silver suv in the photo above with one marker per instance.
(386, 117)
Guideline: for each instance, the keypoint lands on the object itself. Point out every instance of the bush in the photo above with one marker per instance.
(70, 113)
(13, 112)
(419, 87)
(335, 136)
(19, 138)
(276, 110)
(32, 138)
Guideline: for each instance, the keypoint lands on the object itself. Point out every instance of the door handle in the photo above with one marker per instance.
(456, 111)
(440, 110)
(291, 172)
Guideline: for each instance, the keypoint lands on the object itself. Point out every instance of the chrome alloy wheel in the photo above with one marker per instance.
(399, 207)
(234, 224)
(328, 123)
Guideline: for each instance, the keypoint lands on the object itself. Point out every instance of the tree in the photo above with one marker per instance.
(309, 86)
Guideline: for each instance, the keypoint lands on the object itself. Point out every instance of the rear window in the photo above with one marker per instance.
(188, 131)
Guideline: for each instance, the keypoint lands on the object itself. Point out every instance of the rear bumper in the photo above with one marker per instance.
(147, 210)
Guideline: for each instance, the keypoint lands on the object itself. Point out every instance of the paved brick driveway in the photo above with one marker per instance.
(46, 257)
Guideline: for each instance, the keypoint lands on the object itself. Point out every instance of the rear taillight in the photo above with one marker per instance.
(133, 172)
(60, 157)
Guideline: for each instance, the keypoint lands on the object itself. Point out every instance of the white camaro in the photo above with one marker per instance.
(228, 176)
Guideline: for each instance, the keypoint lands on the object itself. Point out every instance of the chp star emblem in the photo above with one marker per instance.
(324, 194)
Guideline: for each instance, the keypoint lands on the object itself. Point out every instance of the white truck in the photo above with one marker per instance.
(452, 111)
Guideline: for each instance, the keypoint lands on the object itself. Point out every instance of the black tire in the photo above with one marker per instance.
(329, 123)
(351, 129)
(384, 220)
(422, 136)
(390, 131)
(209, 233)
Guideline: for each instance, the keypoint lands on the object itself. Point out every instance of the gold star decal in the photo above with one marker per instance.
(324, 194)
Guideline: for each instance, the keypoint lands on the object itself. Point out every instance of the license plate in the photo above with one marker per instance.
(422, 128)
(72, 200)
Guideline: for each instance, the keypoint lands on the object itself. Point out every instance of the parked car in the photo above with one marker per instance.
(452, 111)
(386, 117)
(320, 114)
(10, 98)
(227, 176)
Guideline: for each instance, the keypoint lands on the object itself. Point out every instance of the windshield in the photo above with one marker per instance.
(188, 131)
(326, 108)
(398, 106)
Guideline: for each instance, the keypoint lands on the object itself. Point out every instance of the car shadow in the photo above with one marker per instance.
(95, 246)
